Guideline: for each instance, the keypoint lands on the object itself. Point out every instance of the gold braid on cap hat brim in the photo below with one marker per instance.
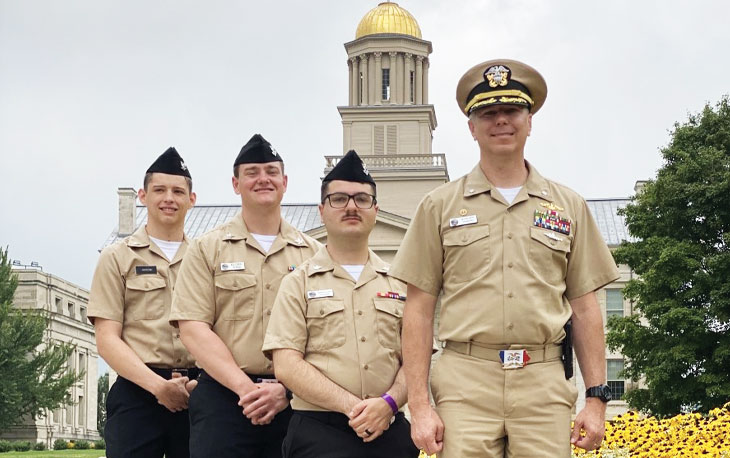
(492, 94)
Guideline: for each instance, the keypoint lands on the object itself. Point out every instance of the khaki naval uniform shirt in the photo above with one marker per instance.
(344, 330)
(229, 282)
(505, 276)
(133, 284)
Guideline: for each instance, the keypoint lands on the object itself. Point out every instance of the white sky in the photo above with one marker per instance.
(91, 92)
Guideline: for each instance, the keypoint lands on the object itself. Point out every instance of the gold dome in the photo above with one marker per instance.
(388, 17)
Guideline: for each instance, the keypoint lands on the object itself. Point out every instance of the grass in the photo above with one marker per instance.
(56, 453)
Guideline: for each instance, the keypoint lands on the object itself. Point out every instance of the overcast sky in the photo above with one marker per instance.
(92, 91)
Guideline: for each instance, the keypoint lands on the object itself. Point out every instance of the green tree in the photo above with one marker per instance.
(679, 343)
(102, 389)
(34, 376)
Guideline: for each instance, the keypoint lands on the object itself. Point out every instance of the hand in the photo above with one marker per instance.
(369, 418)
(262, 404)
(189, 386)
(173, 394)
(591, 420)
(427, 430)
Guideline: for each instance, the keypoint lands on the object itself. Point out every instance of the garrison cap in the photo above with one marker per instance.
(170, 163)
(350, 168)
(501, 82)
(257, 151)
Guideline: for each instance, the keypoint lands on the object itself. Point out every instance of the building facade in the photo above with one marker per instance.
(65, 305)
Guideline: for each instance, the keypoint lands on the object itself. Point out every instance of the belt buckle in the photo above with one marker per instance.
(513, 359)
(182, 372)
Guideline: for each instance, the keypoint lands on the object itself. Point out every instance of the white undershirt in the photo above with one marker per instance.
(509, 194)
(169, 248)
(265, 241)
(354, 270)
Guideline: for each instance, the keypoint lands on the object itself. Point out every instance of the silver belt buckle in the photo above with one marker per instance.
(513, 359)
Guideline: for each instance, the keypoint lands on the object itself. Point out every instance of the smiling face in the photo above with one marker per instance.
(501, 129)
(349, 221)
(260, 185)
(167, 198)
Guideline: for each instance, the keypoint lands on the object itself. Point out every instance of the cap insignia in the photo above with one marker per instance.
(365, 169)
(497, 75)
(183, 166)
(274, 152)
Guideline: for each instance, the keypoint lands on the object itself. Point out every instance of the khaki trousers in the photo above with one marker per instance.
(489, 412)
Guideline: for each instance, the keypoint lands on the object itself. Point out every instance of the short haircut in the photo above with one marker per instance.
(325, 185)
(235, 168)
(148, 177)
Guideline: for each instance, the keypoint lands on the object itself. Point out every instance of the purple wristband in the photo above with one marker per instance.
(391, 402)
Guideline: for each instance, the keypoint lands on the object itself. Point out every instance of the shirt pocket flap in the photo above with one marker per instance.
(465, 235)
(235, 282)
(321, 308)
(389, 306)
(145, 283)
(550, 239)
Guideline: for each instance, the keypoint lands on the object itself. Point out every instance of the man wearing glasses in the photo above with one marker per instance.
(335, 334)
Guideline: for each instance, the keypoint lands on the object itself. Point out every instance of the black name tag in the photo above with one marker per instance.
(143, 270)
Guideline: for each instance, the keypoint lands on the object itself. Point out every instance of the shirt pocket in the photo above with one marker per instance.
(389, 322)
(466, 253)
(549, 254)
(145, 297)
(235, 294)
(325, 324)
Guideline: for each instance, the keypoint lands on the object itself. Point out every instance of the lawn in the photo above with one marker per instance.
(56, 453)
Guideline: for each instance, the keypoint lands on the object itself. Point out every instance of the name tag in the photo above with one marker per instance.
(463, 221)
(320, 293)
(226, 266)
(146, 270)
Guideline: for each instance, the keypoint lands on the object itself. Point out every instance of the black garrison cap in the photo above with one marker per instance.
(170, 163)
(350, 168)
(257, 151)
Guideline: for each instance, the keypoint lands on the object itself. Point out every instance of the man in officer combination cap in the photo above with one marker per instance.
(513, 257)
(335, 334)
(129, 305)
(222, 305)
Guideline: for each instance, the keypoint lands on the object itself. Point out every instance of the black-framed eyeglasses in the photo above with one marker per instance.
(340, 200)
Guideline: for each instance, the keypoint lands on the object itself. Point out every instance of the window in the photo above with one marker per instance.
(386, 84)
(615, 382)
(614, 303)
(82, 411)
(385, 139)
(69, 414)
(59, 305)
(83, 315)
(413, 84)
(82, 362)
(71, 310)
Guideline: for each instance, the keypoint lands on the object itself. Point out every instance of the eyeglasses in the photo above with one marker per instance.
(340, 200)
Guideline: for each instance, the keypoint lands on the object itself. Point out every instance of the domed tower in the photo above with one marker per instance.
(388, 119)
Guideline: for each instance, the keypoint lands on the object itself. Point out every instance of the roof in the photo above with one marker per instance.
(305, 217)
(388, 17)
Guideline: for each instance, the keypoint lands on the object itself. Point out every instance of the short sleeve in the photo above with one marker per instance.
(288, 325)
(106, 299)
(194, 297)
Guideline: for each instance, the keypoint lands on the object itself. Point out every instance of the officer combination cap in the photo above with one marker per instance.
(170, 163)
(501, 82)
(350, 168)
(257, 151)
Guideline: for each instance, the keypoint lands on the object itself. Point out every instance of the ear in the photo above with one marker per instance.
(321, 208)
(285, 181)
(142, 195)
(471, 129)
(193, 198)
(234, 182)
(529, 124)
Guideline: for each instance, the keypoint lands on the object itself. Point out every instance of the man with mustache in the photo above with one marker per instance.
(222, 305)
(513, 256)
(335, 334)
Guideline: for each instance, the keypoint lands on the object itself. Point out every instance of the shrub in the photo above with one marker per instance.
(5, 446)
(100, 444)
(82, 444)
(39, 446)
(60, 444)
(22, 446)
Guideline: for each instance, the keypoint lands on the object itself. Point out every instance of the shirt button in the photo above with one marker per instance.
(268, 365)
(471, 190)
(365, 367)
(509, 264)
(359, 312)
(510, 326)
(268, 312)
(179, 360)
(367, 396)
(509, 235)
(321, 311)
(510, 294)
(362, 339)
(177, 336)
(268, 286)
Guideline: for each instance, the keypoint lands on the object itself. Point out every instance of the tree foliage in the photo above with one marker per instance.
(102, 391)
(34, 376)
(679, 344)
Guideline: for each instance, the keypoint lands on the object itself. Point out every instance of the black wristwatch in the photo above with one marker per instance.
(602, 392)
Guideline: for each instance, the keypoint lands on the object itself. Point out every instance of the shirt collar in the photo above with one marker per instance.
(322, 262)
(476, 183)
(236, 230)
(141, 239)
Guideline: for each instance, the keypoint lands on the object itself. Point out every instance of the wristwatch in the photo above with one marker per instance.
(602, 392)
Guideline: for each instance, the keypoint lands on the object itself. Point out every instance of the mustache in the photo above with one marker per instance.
(351, 214)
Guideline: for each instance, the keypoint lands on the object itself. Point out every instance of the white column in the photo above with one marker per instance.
(351, 81)
(364, 80)
(378, 78)
(407, 67)
(393, 78)
(426, 67)
(419, 81)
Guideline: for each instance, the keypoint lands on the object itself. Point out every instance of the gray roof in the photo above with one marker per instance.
(202, 218)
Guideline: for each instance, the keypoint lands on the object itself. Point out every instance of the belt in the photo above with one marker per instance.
(189, 372)
(335, 419)
(256, 378)
(538, 354)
